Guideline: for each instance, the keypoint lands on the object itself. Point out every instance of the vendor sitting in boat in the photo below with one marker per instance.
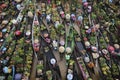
(36, 45)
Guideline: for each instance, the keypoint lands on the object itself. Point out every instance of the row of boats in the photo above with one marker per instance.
(83, 34)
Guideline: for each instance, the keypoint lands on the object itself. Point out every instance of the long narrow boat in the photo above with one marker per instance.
(60, 29)
(93, 38)
(28, 49)
(35, 35)
(50, 61)
(81, 52)
(105, 69)
(83, 69)
(46, 44)
(69, 41)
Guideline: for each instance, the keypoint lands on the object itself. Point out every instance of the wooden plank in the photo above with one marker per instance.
(33, 72)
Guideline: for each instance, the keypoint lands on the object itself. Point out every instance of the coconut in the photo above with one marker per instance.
(39, 71)
(87, 43)
(117, 46)
(14, 21)
(43, 5)
(90, 79)
(68, 50)
(107, 24)
(70, 71)
(55, 44)
(57, 23)
(28, 33)
(3, 14)
(30, 14)
(105, 51)
(61, 49)
(97, 26)
(9, 70)
(4, 22)
(37, 10)
(17, 1)
(86, 27)
(95, 55)
(68, 16)
(87, 59)
(36, 41)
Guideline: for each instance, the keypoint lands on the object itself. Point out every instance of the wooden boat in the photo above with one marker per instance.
(103, 45)
(115, 70)
(83, 68)
(61, 28)
(52, 30)
(28, 50)
(81, 52)
(50, 60)
(70, 69)
(28, 28)
(46, 43)
(35, 35)
(105, 69)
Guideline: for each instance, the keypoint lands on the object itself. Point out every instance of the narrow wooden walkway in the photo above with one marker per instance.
(62, 64)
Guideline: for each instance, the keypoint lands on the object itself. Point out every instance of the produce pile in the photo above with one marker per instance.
(39, 37)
